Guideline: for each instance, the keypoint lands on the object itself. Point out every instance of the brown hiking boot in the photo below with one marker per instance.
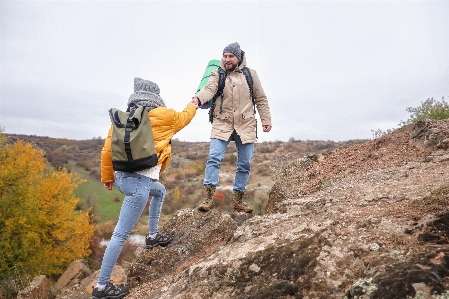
(209, 202)
(238, 204)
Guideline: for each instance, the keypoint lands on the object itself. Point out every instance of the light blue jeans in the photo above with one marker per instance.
(216, 154)
(137, 188)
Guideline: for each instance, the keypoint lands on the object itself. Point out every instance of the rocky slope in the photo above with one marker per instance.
(366, 221)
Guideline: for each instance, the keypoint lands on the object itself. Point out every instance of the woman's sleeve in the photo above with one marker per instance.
(107, 171)
(183, 118)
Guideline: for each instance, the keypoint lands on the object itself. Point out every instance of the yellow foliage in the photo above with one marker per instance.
(176, 194)
(40, 230)
(197, 167)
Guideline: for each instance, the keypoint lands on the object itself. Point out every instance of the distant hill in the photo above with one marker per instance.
(58, 151)
(185, 172)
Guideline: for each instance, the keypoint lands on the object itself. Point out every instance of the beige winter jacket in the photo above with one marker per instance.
(237, 111)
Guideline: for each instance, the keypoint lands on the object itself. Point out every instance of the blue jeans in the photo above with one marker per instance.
(216, 154)
(137, 188)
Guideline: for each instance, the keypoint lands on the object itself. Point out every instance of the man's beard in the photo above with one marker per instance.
(231, 68)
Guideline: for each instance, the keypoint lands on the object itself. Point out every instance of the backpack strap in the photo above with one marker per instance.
(249, 80)
(128, 130)
(219, 93)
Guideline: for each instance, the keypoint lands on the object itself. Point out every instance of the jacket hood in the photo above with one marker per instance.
(240, 66)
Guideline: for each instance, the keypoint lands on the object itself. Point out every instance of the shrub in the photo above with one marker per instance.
(260, 204)
(187, 189)
(232, 159)
(57, 158)
(430, 109)
(11, 285)
(197, 167)
(262, 169)
(97, 252)
(179, 176)
(95, 174)
(104, 230)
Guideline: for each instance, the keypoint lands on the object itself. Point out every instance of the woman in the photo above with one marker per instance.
(138, 186)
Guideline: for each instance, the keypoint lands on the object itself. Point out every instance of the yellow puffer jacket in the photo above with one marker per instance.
(165, 123)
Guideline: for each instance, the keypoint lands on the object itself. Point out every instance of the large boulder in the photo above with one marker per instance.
(432, 133)
(77, 271)
(39, 288)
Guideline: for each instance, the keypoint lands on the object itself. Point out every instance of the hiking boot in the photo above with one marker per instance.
(110, 291)
(238, 204)
(209, 202)
(159, 240)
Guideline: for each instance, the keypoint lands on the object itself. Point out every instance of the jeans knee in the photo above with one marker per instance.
(158, 190)
(162, 189)
(244, 167)
(120, 235)
(214, 160)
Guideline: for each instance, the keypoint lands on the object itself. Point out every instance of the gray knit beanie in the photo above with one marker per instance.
(146, 93)
(234, 48)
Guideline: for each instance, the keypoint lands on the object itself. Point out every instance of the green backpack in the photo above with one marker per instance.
(132, 143)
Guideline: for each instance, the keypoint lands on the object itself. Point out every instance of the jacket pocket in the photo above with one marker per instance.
(248, 115)
(223, 115)
(248, 125)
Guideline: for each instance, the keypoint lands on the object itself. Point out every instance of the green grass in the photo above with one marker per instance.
(107, 208)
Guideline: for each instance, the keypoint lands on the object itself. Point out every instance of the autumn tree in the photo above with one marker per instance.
(40, 230)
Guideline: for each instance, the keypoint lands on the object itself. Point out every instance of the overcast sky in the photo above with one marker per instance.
(332, 70)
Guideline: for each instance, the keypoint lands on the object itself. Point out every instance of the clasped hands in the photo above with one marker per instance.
(195, 102)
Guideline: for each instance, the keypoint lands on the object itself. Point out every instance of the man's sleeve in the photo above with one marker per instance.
(261, 100)
(210, 89)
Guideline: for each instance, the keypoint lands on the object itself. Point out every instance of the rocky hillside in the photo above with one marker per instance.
(365, 221)
(371, 223)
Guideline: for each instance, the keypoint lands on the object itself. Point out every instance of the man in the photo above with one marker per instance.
(233, 120)
(138, 186)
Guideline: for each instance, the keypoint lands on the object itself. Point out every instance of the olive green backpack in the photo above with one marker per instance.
(132, 143)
